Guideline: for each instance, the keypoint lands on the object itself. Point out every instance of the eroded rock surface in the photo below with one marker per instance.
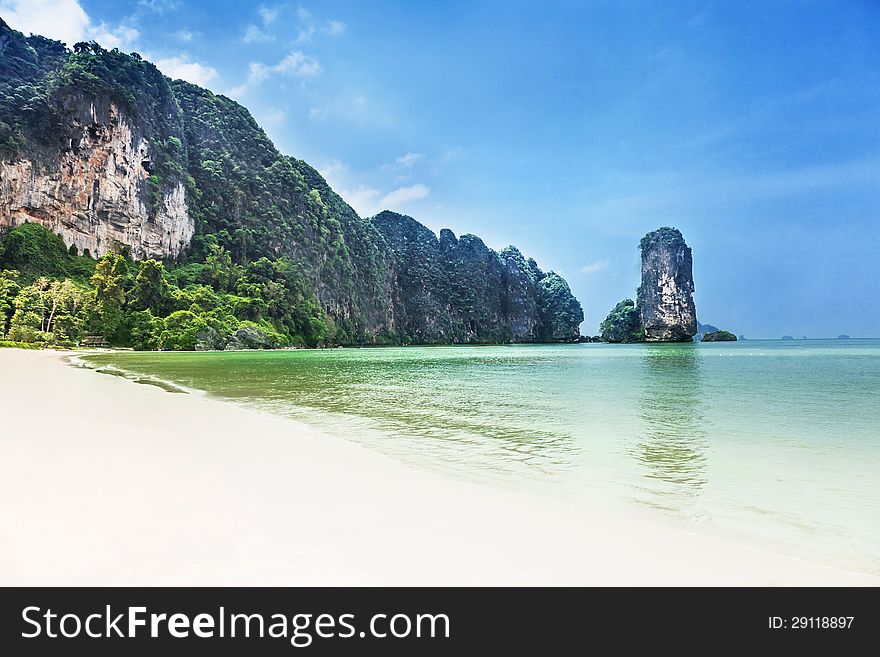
(666, 296)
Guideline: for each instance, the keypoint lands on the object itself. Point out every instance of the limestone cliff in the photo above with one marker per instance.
(459, 290)
(94, 190)
(666, 296)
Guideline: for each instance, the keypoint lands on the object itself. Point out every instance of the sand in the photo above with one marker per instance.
(105, 481)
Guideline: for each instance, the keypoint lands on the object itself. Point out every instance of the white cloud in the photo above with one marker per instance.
(257, 72)
(334, 28)
(593, 267)
(408, 160)
(235, 92)
(180, 67)
(363, 199)
(109, 37)
(64, 20)
(268, 14)
(160, 6)
(368, 200)
(305, 34)
(273, 118)
(253, 34)
(309, 26)
(184, 35)
(296, 64)
(403, 195)
(334, 172)
(299, 64)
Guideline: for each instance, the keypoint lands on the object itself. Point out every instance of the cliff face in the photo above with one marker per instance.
(94, 190)
(666, 296)
(102, 149)
(459, 290)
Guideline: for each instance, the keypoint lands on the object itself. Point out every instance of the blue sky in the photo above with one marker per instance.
(569, 129)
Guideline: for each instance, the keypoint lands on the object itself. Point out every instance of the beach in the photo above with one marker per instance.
(108, 482)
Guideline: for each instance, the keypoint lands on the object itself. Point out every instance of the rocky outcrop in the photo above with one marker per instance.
(94, 191)
(719, 336)
(249, 337)
(459, 290)
(623, 324)
(666, 296)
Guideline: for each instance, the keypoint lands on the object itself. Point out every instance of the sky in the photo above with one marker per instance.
(569, 129)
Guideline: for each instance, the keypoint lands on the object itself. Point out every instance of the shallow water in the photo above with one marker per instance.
(775, 444)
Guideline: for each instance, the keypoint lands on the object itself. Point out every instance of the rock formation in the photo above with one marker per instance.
(719, 336)
(459, 290)
(94, 190)
(666, 296)
(623, 324)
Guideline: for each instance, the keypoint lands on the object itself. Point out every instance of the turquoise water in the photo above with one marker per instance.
(774, 444)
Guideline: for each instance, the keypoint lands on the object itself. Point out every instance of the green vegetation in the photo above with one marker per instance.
(9, 344)
(34, 251)
(560, 311)
(211, 305)
(667, 236)
(623, 324)
(719, 336)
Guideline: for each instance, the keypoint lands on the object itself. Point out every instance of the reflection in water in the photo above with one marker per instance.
(674, 445)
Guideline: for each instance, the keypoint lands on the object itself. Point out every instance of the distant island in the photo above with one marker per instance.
(719, 336)
(703, 329)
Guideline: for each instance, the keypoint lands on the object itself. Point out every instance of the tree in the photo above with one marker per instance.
(181, 331)
(219, 271)
(109, 280)
(29, 316)
(151, 291)
(49, 311)
(9, 289)
(146, 330)
(67, 311)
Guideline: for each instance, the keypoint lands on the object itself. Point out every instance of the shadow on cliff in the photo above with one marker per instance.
(674, 443)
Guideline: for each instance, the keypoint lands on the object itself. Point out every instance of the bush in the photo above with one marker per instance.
(35, 251)
(11, 344)
(181, 331)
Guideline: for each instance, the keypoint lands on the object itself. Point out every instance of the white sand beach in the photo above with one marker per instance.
(108, 482)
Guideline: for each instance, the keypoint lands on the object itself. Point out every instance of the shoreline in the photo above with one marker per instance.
(108, 482)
